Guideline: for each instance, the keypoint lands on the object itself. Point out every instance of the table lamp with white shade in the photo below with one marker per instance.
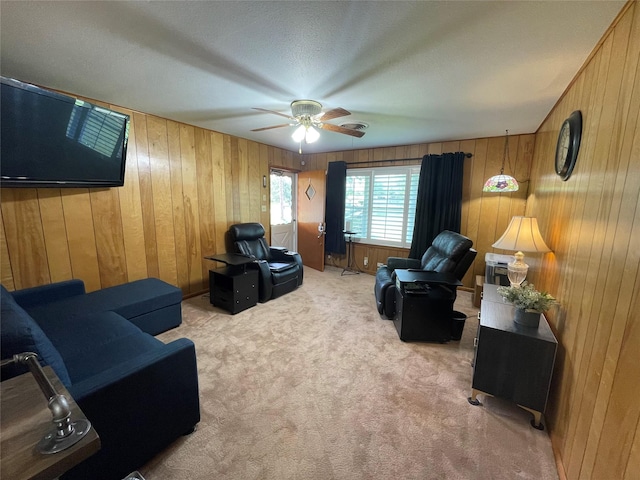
(522, 235)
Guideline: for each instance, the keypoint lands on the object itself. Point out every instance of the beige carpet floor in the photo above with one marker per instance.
(316, 385)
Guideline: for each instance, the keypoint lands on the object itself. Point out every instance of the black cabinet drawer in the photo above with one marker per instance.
(233, 289)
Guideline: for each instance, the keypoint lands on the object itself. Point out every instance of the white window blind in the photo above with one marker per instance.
(380, 204)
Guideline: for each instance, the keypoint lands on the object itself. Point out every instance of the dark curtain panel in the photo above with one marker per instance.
(439, 202)
(334, 207)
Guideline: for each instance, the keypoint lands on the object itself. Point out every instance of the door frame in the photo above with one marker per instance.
(294, 203)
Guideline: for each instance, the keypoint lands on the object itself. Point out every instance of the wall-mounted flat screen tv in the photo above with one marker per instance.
(54, 140)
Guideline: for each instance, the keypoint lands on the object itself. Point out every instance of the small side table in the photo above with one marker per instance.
(25, 420)
(233, 288)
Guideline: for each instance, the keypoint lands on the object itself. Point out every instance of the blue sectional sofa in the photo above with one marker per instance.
(139, 393)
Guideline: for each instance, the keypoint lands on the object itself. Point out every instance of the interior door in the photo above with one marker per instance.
(311, 198)
(283, 209)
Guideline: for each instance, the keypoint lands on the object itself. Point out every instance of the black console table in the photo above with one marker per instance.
(512, 361)
(233, 287)
(424, 305)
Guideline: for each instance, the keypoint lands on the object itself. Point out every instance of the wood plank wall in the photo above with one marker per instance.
(592, 224)
(485, 216)
(183, 187)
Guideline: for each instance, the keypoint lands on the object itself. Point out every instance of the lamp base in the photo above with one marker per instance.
(54, 443)
(517, 270)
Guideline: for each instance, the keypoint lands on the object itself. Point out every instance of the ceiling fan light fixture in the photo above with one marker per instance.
(302, 108)
(311, 135)
(299, 134)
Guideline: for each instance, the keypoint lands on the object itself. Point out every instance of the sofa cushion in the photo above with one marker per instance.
(131, 300)
(98, 341)
(20, 333)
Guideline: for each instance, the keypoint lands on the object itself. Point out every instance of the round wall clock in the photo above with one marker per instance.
(568, 145)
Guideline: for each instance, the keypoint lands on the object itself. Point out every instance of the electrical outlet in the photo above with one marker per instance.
(366, 261)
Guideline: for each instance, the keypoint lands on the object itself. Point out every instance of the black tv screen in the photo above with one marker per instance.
(54, 140)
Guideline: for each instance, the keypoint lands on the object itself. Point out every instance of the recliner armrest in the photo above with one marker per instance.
(402, 263)
(287, 256)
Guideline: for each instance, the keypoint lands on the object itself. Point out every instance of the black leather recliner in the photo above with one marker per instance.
(449, 252)
(280, 271)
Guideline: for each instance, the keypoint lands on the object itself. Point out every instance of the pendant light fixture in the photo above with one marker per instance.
(502, 183)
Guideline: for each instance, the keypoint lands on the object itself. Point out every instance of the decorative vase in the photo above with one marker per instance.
(526, 318)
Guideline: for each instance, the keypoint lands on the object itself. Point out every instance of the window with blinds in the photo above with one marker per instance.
(380, 204)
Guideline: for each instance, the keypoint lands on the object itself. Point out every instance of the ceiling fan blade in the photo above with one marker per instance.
(274, 112)
(334, 113)
(339, 129)
(269, 128)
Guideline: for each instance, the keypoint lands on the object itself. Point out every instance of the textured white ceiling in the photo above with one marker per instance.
(416, 72)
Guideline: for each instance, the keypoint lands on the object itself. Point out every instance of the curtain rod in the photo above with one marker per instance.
(467, 155)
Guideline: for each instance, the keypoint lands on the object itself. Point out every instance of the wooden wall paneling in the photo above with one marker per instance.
(472, 194)
(434, 148)
(402, 151)
(379, 156)
(618, 218)
(567, 327)
(331, 157)
(305, 161)
(502, 201)
(55, 234)
(416, 151)
(320, 162)
(242, 181)
(469, 218)
(593, 293)
(162, 201)
(107, 227)
(178, 207)
(76, 203)
(24, 237)
(489, 202)
(265, 192)
(608, 447)
(292, 159)
(146, 195)
(235, 180)
(254, 182)
(349, 156)
(195, 264)
(6, 272)
(205, 200)
(220, 187)
(131, 210)
(633, 461)
(228, 168)
(521, 170)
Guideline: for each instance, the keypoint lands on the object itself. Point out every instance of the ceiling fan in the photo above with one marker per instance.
(307, 114)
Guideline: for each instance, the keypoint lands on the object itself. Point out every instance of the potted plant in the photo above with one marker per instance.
(529, 302)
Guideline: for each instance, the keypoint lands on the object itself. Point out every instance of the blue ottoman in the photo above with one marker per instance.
(151, 304)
